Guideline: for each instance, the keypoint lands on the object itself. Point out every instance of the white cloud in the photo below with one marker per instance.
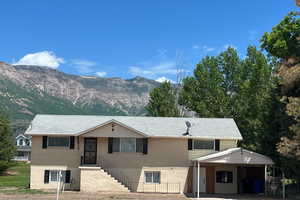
(83, 66)
(196, 47)
(101, 74)
(137, 71)
(43, 58)
(226, 46)
(207, 49)
(162, 68)
(164, 79)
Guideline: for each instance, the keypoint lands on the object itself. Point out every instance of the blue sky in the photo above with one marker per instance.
(118, 38)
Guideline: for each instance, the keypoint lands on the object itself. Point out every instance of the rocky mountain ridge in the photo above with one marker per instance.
(27, 90)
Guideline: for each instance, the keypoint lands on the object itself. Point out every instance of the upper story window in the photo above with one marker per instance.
(21, 142)
(127, 145)
(58, 141)
(27, 142)
(204, 144)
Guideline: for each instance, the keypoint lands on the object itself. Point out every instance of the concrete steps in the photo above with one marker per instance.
(95, 179)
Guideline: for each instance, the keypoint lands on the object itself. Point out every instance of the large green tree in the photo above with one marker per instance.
(283, 41)
(163, 102)
(228, 86)
(7, 148)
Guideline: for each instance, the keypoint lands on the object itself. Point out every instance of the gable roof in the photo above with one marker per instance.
(23, 136)
(210, 128)
(236, 156)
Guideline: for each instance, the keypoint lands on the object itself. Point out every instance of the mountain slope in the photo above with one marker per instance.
(28, 90)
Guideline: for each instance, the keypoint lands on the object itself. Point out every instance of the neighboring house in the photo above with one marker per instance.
(143, 154)
(23, 146)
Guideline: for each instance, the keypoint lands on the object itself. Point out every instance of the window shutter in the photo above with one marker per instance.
(139, 145)
(190, 144)
(72, 142)
(45, 140)
(110, 145)
(68, 176)
(46, 176)
(145, 145)
(217, 145)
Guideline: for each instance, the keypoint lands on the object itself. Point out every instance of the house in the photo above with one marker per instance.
(143, 154)
(23, 147)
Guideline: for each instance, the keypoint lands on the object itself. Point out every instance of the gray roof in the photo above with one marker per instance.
(217, 128)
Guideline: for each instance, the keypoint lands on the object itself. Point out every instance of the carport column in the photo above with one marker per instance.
(266, 177)
(198, 180)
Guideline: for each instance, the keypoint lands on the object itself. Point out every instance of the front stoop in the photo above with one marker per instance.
(95, 179)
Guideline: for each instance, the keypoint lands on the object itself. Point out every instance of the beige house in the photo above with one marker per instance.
(143, 154)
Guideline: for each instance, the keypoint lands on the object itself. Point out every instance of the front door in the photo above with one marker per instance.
(90, 150)
(210, 180)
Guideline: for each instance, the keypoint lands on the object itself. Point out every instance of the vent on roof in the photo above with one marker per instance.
(188, 126)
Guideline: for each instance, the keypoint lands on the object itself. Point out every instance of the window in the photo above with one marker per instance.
(21, 142)
(204, 144)
(224, 176)
(54, 175)
(27, 142)
(58, 141)
(127, 145)
(152, 177)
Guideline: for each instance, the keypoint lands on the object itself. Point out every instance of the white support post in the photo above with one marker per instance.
(58, 185)
(266, 177)
(198, 180)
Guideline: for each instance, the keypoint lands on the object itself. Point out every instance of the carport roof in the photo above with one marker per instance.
(235, 156)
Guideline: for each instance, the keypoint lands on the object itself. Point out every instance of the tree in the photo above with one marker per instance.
(7, 148)
(228, 86)
(283, 43)
(162, 101)
(284, 40)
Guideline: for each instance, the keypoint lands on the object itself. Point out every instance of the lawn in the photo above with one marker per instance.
(16, 176)
(16, 180)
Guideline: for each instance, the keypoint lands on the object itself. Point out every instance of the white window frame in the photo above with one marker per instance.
(63, 172)
(127, 151)
(214, 141)
(58, 137)
(152, 177)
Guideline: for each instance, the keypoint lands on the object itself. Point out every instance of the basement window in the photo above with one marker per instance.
(152, 177)
(54, 175)
(58, 141)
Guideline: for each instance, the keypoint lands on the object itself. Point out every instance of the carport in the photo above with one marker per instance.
(235, 170)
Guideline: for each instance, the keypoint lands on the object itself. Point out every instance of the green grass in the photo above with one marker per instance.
(18, 177)
(17, 181)
(24, 191)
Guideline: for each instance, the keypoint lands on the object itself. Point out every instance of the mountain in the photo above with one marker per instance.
(28, 90)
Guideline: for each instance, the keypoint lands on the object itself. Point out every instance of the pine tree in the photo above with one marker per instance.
(162, 101)
(7, 148)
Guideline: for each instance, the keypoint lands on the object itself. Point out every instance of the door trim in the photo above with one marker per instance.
(85, 140)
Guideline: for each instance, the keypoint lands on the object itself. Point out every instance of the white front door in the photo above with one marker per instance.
(202, 180)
